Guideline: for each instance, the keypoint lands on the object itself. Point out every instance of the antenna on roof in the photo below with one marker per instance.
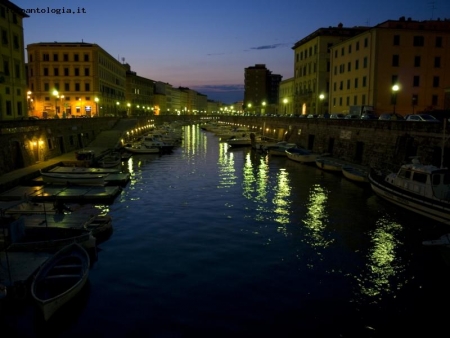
(433, 7)
(123, 60)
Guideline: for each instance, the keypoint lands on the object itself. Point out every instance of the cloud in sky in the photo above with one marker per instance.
(276, 45)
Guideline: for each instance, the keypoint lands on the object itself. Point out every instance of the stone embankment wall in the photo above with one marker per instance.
(379, 144)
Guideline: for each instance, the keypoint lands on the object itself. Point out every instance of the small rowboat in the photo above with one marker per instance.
(356, 174)
(60, 279)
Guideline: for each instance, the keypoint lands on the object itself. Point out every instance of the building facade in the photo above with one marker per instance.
(312, 67)
(13, 85)
(397, 66)
(286, 97)
(72, 79)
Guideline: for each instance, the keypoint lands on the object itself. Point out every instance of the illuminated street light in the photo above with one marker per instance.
(96, 106)
(285, 101)
(321, 97)
(395, 89)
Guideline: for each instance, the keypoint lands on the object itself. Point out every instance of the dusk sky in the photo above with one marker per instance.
(206, 45)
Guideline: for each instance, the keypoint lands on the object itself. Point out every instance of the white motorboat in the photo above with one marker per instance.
(422, 189)
(141, 148)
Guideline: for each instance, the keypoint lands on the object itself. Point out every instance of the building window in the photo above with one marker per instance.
(366, 42)
(8, 108)
(396, 40)
(415, 100)
(395, 60)
(434, 100)
(438, 43)
(417, 61)
(86, 57)
(340, 101)
(17, 70)
(349, 67)
(19, 108)
(87, 87)
(355, 100)
(437, 62)
(341, 85)
(342, 51)
(66, 71)
(348, 84)
(56, 71)
(66, 87)
(77, 71)
(46, 57)
(4, 37)
(435, 81)
(418, 41)
(356, 83)
(30, 57)
(56, 86)
(16, 42)
(76, 57)
(66, 57)
(55, 57)
(365, 62)
(394, 79)
(45, 71)
(356, 64)
(416, 81)
(335, 70)
(348, 100)
(349, 49)
(46, 87)
(77, 87)
(335, 53)
(334, 86)
(364, 81)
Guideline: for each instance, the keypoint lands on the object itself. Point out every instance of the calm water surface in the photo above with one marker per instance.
(210, 241)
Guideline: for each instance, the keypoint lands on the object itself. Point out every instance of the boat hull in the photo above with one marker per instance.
(438, 210)
(74, 179)
(355, 175)
(328, 165)
(301, 156)
(60, 279)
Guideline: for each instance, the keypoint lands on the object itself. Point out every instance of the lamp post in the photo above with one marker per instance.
(55, 94)
(128, 109)
(249, 107)
(395, 89)
(321, 97)
(117, 107)
(263, 110)
(29, 101)
(96, 106)
(285, 105)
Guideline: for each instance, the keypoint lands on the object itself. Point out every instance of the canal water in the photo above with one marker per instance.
(216, 242)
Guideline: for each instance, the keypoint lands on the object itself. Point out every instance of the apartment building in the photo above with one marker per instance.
(73, 79)
(399, 65)
(261, 89)
(312, 67)
(139, 94)
(13, 85)
(286, 97)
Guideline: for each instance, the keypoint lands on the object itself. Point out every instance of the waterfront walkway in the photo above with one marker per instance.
(104, 142)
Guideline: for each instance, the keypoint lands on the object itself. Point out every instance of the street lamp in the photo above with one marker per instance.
(264, 107)
(128, 110)
(249, 107)
(395, 89)
(29, 101)
(55, 94)
(96, 106)
(285, 103)
(117, 107)
(321, 97)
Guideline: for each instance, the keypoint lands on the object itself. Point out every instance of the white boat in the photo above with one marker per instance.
(141, 148)
(329, 163)
(279, 149)
(356, 173)
(111, 160)
(83, 170)
(443, 241)
(73, 179)
(422, 189)
(244, 141)
(301, 155)
(60, 279)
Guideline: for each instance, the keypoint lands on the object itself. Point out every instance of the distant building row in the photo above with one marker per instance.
(401, 65)
(67, 79)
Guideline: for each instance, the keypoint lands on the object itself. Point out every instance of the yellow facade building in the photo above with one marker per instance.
(75, 79)
(13, 85)
(397, 66)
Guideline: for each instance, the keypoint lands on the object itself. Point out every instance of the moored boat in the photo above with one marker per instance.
(279, 149)
(328, 163)
(356, 173)
(111, 160)
(73, 179)
(301, 155)
(422, 189)
(141, 148)
(60, 279)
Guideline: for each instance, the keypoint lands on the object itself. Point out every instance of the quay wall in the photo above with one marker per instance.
(379, 144)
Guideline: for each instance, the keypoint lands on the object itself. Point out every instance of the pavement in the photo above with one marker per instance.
(104, 142)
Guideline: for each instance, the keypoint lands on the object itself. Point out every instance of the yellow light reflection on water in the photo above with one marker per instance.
(382, 261)
(281, 200)
(316, 218)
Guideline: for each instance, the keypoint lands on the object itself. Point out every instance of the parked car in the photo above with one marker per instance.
(312, 116)
(391, 117)
(324, 116)
(422, 118)
(352, 117)
(369, 116)
(337, 116)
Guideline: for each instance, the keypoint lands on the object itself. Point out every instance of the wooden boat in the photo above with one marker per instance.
(60, 279)
(356, 173)
(422, 189)
(141, 148)
(301, 155)
(73, 179)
